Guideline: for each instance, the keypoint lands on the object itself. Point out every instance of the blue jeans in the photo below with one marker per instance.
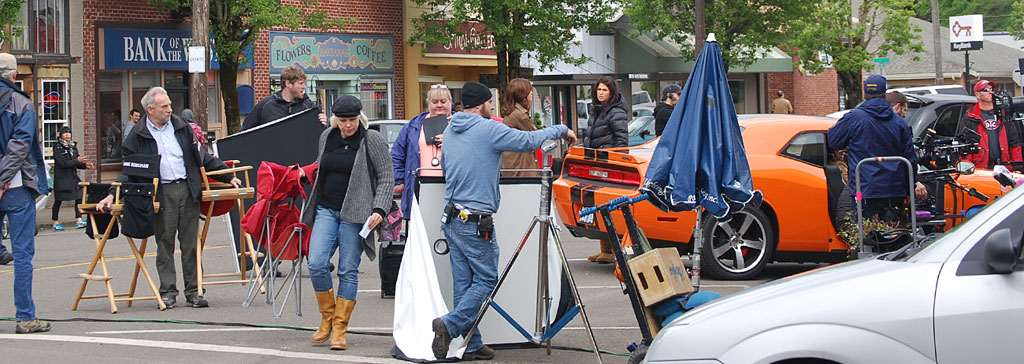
(474, 273)
(19, 206)
(330, 233)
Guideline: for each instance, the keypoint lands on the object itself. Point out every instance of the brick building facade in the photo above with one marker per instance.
(117, 68)
(810, 94)
(376, 21)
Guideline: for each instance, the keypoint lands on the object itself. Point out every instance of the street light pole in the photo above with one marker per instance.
(198, 92)
(937, 44)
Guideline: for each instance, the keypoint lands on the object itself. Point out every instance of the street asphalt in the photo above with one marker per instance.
(229, 333)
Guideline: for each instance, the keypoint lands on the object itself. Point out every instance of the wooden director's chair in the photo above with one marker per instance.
(219, 198)
(115, 211)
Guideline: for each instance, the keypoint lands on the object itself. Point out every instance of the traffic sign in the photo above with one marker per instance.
(882, 60)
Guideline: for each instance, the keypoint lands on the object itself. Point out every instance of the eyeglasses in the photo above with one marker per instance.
(438, 86)
(987, 89)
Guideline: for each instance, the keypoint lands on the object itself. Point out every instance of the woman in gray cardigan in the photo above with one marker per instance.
(353, 187)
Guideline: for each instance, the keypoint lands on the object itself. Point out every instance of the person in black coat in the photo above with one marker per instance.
(66, 163)
(607, 126)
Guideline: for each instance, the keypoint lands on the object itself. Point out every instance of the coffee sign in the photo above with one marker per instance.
(331, 53)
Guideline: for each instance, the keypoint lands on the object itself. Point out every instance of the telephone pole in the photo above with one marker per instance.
(937, 45)
(200, 38)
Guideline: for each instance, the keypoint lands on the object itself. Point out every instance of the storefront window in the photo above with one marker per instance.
(739, 93)
(541, 109)
(177, 86)
(212, 104)
(109, 84)
(376, 97)
(50, 23)
(582, 106)
(55, 109)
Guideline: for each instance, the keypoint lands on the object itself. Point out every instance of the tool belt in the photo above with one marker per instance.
(485, 222)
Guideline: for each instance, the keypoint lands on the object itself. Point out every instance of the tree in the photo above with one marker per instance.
(852, 38)
(744, 29)
(1018, 18)
(543, 28)
(236, 24)
(10, 10)
(995, 12)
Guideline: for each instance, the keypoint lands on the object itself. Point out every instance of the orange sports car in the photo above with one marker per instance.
(795, 223)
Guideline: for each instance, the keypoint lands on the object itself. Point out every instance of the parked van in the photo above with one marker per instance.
(927, 90)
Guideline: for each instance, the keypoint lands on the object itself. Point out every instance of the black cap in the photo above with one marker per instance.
(671, 89)
(347, 106)
(64, 129)
(474, 94)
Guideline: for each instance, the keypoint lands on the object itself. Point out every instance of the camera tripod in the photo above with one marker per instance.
(543, 329)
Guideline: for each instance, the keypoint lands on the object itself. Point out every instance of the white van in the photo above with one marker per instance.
(926, 90)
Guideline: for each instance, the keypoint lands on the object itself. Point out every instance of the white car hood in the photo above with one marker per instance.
(893, 299)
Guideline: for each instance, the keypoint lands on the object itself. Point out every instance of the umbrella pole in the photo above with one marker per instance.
(698, 242)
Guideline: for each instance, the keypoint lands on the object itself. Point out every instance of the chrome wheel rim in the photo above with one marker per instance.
(740, 244)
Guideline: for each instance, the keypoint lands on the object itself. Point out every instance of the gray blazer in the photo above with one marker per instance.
(364, 193)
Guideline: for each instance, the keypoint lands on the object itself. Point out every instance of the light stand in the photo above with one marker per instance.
(543, 329)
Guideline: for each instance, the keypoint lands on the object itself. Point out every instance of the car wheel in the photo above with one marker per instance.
(637, 356)
(738, 249)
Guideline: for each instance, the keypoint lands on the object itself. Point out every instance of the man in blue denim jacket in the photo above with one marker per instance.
(471, 159)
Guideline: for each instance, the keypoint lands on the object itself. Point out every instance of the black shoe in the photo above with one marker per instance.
(442, 339)
(483, 353)
(6, 258)
(197, 302)
(169, 300)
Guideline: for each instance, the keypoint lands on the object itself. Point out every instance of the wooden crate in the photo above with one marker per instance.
(659, 274)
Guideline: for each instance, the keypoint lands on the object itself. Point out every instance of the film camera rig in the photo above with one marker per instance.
(939, 158)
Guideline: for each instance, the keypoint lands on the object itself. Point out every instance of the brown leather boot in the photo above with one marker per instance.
(605, 256)
(342, 312)
(326, 302)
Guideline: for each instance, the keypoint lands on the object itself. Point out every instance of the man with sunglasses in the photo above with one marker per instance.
(1000, 140)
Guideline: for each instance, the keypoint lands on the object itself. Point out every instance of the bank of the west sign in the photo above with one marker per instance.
(331, 53)
(151, 49)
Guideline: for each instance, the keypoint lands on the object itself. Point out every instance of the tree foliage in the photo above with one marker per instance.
(10, 10)
(997, 12)
(1018, 18)
(744, 29)
(542, 28)
(852, 38)
(235, 26)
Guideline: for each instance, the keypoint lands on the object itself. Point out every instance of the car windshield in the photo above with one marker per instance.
(638, 124)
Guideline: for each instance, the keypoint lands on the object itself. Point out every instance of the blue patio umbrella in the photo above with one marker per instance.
(700, 159)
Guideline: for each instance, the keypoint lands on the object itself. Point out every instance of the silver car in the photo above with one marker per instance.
(959, 299)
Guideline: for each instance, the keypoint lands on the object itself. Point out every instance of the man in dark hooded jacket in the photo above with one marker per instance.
(875, 130)
(669, 98)
(289, 100)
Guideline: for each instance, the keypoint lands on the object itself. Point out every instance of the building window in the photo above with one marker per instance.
(54, 109)
(49, 18)
(110, 85)
(376, 97)
(19, 42)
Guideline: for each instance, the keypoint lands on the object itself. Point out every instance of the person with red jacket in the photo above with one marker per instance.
(996, 134)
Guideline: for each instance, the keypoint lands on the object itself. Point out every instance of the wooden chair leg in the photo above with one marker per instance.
(99, 241)
(140, 264)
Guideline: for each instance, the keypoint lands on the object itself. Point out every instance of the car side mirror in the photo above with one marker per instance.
(965, 167)
(1001, 251)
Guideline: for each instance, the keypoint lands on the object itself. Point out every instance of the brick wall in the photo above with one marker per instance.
(810, 94)
(105, 11)
(373, 17)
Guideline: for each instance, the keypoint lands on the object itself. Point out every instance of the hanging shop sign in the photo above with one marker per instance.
(154, 49)
(332, 53)
(467, 35)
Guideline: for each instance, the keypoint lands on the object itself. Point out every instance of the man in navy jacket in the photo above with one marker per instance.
(875, 130)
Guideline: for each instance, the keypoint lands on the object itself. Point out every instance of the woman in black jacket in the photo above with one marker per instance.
(66, 163)
(607, 126)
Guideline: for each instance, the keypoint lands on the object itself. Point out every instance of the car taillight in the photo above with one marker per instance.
(604, 174)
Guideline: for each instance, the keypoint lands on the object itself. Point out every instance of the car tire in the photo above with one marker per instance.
(738, 249)
(638, 355)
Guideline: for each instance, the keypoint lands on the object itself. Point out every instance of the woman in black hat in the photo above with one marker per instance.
(353, 188)
(66, 163)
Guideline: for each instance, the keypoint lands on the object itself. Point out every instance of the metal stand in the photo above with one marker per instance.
(543, 329)
(864, 251)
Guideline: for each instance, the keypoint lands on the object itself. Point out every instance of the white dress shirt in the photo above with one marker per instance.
(172, 159)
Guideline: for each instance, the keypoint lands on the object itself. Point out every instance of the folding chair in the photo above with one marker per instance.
(108, 220)
(219, 198)
(277, 217)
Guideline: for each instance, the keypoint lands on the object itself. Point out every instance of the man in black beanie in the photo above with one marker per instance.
(471, 160)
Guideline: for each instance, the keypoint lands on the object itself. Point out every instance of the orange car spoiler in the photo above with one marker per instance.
(602, 155)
